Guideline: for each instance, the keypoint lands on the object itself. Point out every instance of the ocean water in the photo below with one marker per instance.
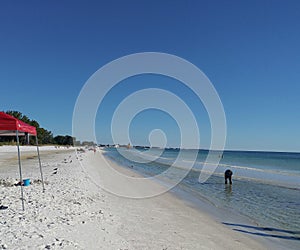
(266, 185)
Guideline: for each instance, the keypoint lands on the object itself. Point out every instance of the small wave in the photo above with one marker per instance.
(277, 177)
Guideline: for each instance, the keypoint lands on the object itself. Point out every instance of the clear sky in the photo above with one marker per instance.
(250, 50)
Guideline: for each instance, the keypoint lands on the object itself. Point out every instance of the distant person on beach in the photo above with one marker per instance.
(227, 175)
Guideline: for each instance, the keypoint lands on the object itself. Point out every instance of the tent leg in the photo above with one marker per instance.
(38, 151)
(20, 170)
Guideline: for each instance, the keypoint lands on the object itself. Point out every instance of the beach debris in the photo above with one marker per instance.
(65, 161)
(38, 181)
(76, 203)
(4, 246)
(81, 150)
(19, 183)
(8, 182)
(3, 207)
(15, 182)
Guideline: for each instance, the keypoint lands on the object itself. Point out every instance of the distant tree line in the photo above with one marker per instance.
(44, 136)
(63, 140)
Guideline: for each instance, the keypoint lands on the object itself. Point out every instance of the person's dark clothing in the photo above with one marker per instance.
(227, 175)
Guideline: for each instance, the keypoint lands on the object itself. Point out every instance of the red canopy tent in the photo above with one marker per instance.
(11, 126)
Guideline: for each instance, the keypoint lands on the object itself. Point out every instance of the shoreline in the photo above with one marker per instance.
(270, 238)
(206, 227)
(75, 213)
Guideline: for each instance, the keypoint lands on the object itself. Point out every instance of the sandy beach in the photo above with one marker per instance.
(76, 213)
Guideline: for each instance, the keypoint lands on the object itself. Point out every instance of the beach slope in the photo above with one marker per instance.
(76, 213)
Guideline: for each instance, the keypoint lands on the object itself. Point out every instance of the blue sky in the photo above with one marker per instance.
(250, 50)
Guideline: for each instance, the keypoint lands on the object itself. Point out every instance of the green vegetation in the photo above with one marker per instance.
(63, 140)
(44, 136)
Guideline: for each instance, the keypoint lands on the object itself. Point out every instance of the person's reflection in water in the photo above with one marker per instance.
(228, 192)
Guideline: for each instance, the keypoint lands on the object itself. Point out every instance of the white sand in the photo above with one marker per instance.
(75, 213)
(9, 149)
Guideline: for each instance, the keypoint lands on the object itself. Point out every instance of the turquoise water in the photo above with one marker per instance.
(266, 185)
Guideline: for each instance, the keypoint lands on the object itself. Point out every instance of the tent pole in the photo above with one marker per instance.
(20, 170)
(38, 151)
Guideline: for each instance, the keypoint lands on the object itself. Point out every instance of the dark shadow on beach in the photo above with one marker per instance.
(264, 231)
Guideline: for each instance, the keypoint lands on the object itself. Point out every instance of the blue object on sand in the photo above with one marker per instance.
(26, 182)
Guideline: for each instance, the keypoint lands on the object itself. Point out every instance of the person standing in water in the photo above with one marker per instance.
(227, 175)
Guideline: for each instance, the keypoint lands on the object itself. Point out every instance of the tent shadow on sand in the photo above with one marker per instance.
(11, 126)
(265, 231)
